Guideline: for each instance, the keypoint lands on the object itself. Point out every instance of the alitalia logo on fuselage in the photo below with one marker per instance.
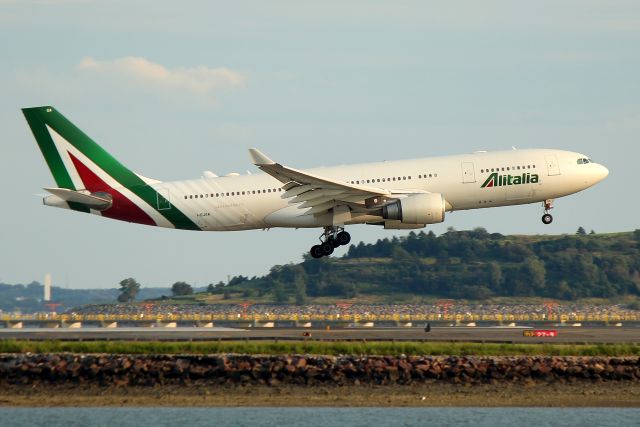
(496, 180)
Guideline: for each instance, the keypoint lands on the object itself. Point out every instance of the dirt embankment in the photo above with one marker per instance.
(150, 370)
(253, 380)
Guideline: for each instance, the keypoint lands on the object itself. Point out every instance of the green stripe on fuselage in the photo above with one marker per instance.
(39, 117)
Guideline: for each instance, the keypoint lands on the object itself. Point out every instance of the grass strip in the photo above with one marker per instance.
(320, 348)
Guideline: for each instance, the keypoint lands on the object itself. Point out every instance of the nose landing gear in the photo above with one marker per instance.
(547, 218)
(331, 238)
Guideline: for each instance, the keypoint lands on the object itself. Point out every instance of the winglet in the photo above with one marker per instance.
(258, 158)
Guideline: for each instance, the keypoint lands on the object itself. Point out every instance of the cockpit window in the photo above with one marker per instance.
(584, 161)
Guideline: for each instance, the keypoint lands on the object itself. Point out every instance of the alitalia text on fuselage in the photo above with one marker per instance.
(496, 180)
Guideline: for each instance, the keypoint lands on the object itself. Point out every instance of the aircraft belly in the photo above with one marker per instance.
(291, 216)
(235, 217)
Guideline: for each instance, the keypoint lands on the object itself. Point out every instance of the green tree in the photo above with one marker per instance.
(300, 283)
(537, 273)
(581, 231)
(279, 293)
(181, 288)
(495, 275)
(129, 289)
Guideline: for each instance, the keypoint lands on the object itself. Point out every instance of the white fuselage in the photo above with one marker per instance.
(246, 202)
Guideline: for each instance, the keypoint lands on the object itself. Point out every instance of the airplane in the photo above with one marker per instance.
(405, 194)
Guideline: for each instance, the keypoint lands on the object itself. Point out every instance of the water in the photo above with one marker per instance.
(325, 417)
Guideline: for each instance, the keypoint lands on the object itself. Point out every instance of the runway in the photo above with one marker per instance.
(566, 335)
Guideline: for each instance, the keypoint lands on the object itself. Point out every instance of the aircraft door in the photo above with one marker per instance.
(468, 173)
(553, 168)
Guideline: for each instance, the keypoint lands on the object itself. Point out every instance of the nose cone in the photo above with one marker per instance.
(601, 173)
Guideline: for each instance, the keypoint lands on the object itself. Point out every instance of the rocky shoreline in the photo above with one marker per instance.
(105, 370)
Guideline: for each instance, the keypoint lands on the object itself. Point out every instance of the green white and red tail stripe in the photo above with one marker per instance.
(78, 163)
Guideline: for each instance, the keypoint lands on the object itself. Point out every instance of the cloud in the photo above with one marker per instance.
(200, 80)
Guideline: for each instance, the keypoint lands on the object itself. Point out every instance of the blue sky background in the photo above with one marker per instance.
(175, 88)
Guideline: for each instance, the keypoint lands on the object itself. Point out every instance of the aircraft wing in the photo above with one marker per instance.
(316, 193)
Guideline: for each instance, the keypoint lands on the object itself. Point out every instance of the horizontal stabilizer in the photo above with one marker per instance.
(99, 201)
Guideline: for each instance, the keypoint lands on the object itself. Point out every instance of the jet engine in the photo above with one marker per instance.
(416, 209)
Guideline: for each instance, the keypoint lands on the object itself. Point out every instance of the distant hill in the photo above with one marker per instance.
(461, 264)
(28, 298)
(472, 265)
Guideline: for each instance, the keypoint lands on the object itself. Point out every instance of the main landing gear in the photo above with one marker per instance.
(332, 238)
(547, 218)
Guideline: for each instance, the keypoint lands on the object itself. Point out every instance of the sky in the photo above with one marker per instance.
(173, 89)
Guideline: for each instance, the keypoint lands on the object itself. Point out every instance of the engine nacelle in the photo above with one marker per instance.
(417, 209)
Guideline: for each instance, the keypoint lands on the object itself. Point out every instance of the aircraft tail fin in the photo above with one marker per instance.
(91, 180)
(75, 160)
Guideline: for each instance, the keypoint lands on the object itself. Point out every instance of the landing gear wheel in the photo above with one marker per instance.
(327, 248)
(343, 238)
(316, 251)
(547, 219)
(334, 242)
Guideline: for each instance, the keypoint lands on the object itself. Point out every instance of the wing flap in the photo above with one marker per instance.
(315, 194)
(296, 191)
(323, 207)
